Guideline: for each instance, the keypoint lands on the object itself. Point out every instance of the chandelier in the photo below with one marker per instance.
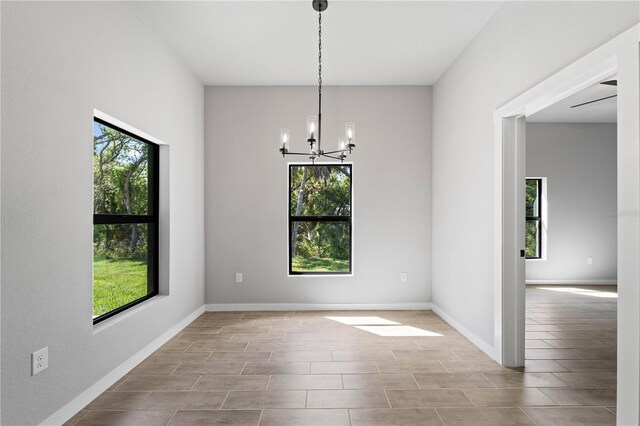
(314, 122)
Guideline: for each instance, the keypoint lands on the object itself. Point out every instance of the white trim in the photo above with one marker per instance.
(124, 126)
(81, 401)
(249, 307)
(587, 71)
(352, 242)
(611, 281)
(481, 344)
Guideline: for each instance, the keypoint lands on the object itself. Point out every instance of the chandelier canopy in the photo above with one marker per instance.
(346, 143)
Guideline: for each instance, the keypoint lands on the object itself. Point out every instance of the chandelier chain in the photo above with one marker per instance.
(319, 52)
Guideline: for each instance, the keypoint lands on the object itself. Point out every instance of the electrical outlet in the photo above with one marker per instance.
(404, 277)
(589, 260)
(238, 277)
(39, 360)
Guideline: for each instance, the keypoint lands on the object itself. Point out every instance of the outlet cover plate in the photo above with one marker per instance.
(39, 360)
(238, 277)
(404, 277)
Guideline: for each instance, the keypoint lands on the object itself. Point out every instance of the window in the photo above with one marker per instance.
(125, 220)
(320, 219)
(533, 232)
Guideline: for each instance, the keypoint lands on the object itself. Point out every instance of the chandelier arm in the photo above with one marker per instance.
(331, 156)
(336, 151)
(296, 153)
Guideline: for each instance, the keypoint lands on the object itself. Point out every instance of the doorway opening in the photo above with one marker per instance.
(620, 57)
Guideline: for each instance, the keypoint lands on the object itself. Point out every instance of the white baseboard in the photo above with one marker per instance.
(226, 307)
(612, 281)
(484, 346)
(79, 402)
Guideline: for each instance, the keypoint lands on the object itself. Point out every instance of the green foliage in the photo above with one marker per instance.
(304, 264)
(121, 186)
(532, 209)
(531, 234)
(117, 282)
(320, 191)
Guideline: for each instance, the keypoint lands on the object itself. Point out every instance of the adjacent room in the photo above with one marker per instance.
(571, 242)
(320, 212)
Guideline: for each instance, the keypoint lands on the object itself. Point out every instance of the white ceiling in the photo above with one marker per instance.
(598, 112)
(275, 42)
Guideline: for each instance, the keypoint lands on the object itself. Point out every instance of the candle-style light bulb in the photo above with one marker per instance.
(284, 139)
(312, 126)
(342, 143)
(350, 133)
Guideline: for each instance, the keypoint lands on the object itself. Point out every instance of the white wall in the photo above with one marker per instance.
(524, 43)
(59, 62)
(246, 192)
(579, 162)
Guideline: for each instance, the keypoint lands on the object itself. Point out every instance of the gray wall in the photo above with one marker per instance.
(59, 62)
(523, 44)
(579, 161)
(246, 192)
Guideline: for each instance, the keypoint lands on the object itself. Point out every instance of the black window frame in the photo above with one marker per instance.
(537, 218)
(151, 219)
(343, 218)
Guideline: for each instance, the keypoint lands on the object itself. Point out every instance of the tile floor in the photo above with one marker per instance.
(374, 368)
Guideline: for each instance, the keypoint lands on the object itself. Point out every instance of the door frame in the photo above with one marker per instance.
(620, 55)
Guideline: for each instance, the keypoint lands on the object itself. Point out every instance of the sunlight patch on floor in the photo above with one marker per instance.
(583, 292)
(397, 331)
(384, 327)
(363, 320)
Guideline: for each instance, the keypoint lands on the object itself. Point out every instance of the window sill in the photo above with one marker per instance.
(103, 325)
(320, 275)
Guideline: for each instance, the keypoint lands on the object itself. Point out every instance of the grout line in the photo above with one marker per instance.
(349, 414)
(178, 366)
(269, 382)
(467, 396)
(306, 398)
(439, 416)
(342, 380)
(243, 367)
(415, 380)
(171, 418)
(527, 414)
(195, 383)
(377, 368)
(225, 399)
(387, 396)
(260, 418)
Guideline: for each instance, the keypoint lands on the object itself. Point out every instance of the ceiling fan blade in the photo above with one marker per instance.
(595, 100)
(610, 82)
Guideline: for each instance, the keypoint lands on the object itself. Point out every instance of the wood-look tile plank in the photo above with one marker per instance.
(562, 416)
(258, 368)
(347, 399)
(247, 383)
(605, 397)
(133, 418)
(397, 417)
(508, 397)
(217, 417)
(452, 380)
(343, 367)
(484, 416)
(305, 381)
(525, 380)
(379, 381)
(254, 400)
(428, 398)
(305, 417)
